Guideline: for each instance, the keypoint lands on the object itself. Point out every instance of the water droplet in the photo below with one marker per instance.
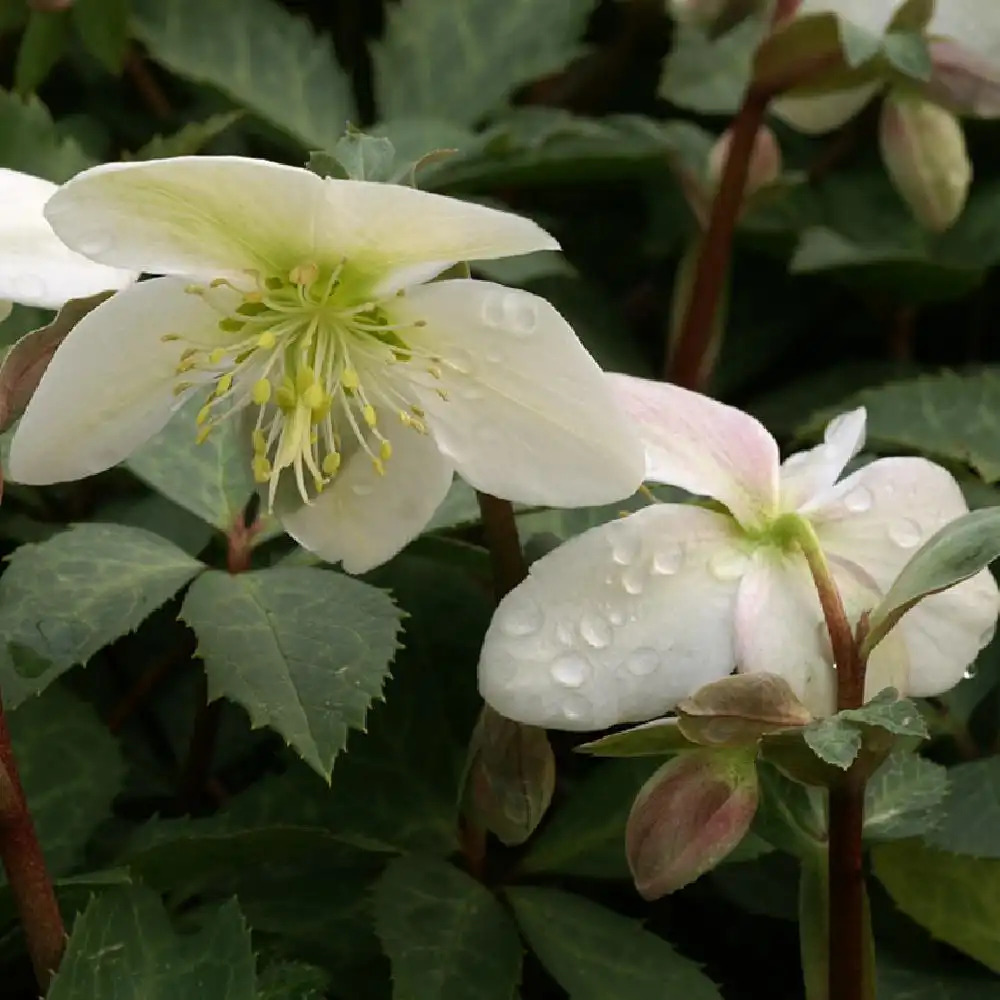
(905, 533)
(521, 314)
(564, 633)
(523, 618)
(493, 309)
(616, 617)
(728, 564)
(96, 243)
(570, 670)
(668, 559)
(575, 708)
(595, 631)
(633, 580)
(460, 360)
(362, 489)
(970, 672)
(642, 661)
(625, 548)
(859, 500)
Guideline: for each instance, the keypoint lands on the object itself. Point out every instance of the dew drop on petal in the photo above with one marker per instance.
(460, 360)
(493, 313)
(642, 661)
(668, 558)
(564, 633)
(905, 533)
(625, 548)
(616, 617)
(575, 708)
(570, 670)
(595, 631)
(95, 243)
(728, 564)
(521, 314)
(970, 672)
(859, 500)
(522, 618)
(634, 580)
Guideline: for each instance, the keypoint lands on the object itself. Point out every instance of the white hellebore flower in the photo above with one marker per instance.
(964, 42)
(36, 267)
(303, 303)
(625, 620)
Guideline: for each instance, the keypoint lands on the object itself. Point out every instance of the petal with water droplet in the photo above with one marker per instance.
(644, 650)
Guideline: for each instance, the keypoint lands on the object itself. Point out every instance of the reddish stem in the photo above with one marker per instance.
(506, 557)
(686, 366)
(24, 865)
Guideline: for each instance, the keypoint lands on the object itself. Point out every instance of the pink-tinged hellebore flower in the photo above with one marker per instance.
(625, 620)
(305, 305)
(36, 267)
(963, 38)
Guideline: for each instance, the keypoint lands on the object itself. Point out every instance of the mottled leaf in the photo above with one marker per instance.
(446, 935)
(30, 142)
(903, 797)
(970, 820)
(304, 651)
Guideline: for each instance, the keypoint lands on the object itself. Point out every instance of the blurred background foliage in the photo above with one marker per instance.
(556, 109)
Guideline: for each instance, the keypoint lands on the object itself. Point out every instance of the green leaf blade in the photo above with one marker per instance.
(303, 650)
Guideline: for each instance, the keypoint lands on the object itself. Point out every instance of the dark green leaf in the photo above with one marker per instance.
(261, 56)
(292, 981)
(123, 948)
(104, 27)
(30, 142)
(903, 797)
(44, 43)
(952, 554)
(71, 769)
(66, 598)
(970, 819)
(212, 480)
(446, 934)
(189, 139)
(303, 650)
(834, 742)
(595, 954)
(459, 62)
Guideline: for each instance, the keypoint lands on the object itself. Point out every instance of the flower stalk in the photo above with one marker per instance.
(848, 932)
(24, 865)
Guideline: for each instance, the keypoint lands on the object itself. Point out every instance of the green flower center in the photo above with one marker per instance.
(310, 351)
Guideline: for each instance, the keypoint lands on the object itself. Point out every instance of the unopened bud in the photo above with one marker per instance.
(923, 148)
(512, 774)
(688, 816)
(765, 160)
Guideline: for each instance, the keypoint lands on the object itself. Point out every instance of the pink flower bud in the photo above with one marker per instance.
(923, 148)
(688, 816)
(765, 160)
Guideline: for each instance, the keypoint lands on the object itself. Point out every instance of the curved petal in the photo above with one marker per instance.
(363, 519)
(704, 446)
(109, 386)
(36, 267)
(872, 16)
(808, 474)
(945, 632)
(972, 24)
(528, 415)
(618, 624)
(815, 114)
(218, 215)
(780, 629)
(878, 516)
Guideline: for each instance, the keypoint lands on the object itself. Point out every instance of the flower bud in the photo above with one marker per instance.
(688, 816)
(511, 777)
(923, 148)
(765, 160)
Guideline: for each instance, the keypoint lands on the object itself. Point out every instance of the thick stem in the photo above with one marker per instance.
(24, 865)
(506, 557)
(686, 366)
(848, 930)
(197, 770)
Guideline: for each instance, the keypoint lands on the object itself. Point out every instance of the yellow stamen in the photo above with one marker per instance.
(261, 392)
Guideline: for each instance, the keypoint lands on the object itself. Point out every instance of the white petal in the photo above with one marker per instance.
(618, 624)
(815, 114)
(872, 16)
(809, 473)
(529, 416)
(877, 518)
(109, 386)
(6, 307)
(945, 632)
(363, 519)
(780, 629)
(36, 267)
(972, 24)
(209, 215)
(704, 446)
